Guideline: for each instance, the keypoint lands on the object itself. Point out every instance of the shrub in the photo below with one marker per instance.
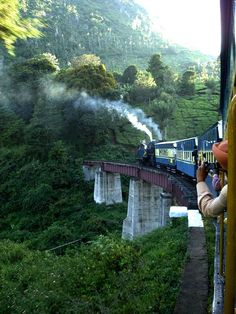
(107, 275)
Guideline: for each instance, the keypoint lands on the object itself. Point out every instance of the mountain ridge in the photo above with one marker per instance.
(119, 32)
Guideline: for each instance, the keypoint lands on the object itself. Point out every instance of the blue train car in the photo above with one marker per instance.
(165, 153)
(205, 141)
(185, 161)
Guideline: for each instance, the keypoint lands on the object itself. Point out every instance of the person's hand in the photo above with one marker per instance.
(201, 173)
(216, 184)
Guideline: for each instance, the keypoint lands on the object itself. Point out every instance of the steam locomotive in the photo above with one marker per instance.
(182, 155)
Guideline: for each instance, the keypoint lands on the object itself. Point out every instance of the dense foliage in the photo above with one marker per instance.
(118, 31)
(51, 118)
(90, 77)
(45, 203)
(106, 275)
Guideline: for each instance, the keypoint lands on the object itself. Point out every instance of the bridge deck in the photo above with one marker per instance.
(182, 188)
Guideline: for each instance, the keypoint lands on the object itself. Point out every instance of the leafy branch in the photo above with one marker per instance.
(13, 26)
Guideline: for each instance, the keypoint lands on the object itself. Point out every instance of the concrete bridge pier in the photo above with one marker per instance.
(89, 172)
(166, 202)
(144, 209)
(107, 188)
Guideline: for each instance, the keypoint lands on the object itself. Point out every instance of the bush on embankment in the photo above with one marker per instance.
(108, 275)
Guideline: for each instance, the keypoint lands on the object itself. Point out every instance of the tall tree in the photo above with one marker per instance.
(130, 75)
(26, 79)
(163, 109)
(187, 83)
(94, 79)
(143, 90)
(157, 68)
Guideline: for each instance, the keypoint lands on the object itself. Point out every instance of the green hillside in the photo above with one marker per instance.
(117, 31)
(65, 97)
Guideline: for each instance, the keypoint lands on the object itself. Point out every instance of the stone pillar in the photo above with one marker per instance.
(144, 213)
(99, 186)
(114, 192)
(166, 202)
(155, 207)
(89, 172)
(107, 188)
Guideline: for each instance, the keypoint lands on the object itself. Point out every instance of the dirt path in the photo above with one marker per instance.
(194, 287)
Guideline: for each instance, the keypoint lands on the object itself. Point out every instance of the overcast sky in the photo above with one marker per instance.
(194, 24)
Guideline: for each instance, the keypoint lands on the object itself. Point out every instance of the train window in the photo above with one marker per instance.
(163, 152)
(190, 156)
(180, 154)
(211, 157)
(186, 156)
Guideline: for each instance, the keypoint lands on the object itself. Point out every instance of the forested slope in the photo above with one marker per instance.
(118, 31)
(61, 102)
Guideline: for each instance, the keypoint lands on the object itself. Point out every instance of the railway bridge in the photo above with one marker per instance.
(151, 193)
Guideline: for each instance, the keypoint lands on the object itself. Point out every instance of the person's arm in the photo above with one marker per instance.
(208, 205)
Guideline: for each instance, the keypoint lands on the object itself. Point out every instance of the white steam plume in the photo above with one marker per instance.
(138, 125)
(136, 116)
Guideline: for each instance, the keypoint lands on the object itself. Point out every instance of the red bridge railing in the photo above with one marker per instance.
(182, 191)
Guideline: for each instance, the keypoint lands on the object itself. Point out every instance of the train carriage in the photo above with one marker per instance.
(185, 161)
(165, 154)
(212, 135)
(205, 141)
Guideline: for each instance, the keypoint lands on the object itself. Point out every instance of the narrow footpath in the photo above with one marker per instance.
(194, 287)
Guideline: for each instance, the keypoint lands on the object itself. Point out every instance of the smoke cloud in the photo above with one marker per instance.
(58, 92)
(136, 116)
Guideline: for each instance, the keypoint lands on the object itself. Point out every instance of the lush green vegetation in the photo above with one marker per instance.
(118, 31)
(45, 203)
(106, 275)
(61, 103)
(177, 86)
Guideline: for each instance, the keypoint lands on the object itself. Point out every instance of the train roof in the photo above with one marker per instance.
(167, 142)
(189, 138)
(218, 125)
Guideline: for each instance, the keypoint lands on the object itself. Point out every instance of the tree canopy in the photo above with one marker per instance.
(89, 77)
(85, 59)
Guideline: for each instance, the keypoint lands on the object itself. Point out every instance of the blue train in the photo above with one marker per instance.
(182, 155)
